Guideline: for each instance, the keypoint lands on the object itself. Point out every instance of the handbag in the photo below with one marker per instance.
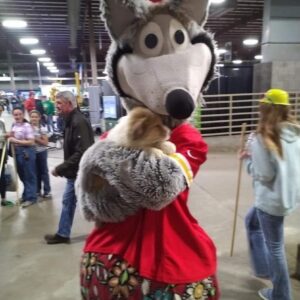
(10, 178)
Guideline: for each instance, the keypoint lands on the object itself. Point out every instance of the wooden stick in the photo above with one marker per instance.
(237, 198)
(13, 151)
(3, 156)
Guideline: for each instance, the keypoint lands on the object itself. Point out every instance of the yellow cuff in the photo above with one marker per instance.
(184, 165)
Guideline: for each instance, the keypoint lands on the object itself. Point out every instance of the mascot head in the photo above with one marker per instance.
(160, 56)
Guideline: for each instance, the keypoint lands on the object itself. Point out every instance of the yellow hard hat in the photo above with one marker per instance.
(276, 96)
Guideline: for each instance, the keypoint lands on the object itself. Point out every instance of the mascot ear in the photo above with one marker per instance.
(118, 15)
(197, 10)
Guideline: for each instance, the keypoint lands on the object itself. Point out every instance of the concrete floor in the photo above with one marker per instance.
(32, 270)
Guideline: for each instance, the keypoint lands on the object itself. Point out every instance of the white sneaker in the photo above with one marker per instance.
(26, 204)
(47, 196)
(263, 293)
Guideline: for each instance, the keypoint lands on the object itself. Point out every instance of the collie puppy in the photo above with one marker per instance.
(141, 129)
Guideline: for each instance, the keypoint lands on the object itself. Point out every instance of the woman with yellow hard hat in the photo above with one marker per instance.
(273, 160)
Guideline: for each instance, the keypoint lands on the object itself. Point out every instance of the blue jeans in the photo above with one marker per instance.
(68, 209)
(257, 246)
(272, 233)
(50, 126)
(26, 167)
(42, 172)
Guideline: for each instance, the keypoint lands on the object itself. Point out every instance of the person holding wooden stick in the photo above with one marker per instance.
(22, 139)
(274, 164)
(3, 160)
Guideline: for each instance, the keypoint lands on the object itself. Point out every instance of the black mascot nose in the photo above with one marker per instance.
(179, 104)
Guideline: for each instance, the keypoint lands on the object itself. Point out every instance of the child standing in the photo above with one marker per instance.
(273, 162)
(41, 141)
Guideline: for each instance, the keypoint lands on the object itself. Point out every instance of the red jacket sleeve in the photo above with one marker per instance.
(191, 145)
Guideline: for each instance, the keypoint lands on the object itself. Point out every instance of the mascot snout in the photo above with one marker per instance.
(179, 104)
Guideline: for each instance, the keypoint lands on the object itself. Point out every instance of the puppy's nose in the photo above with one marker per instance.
(179, 104)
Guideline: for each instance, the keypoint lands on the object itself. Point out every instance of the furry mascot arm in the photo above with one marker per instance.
(136, 180)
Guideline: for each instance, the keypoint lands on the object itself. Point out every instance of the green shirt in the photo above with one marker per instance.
(49, 108)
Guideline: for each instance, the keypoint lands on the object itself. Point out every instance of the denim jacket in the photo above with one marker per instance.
(276, 180)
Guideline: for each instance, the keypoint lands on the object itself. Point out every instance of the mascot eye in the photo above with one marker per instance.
(179, 35)
(151, 40)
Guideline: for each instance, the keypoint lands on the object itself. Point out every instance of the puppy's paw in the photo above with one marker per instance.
(168, 148)
(156, 152)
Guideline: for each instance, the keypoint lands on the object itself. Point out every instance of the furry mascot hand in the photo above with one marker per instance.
(136, 179)
(160, 58)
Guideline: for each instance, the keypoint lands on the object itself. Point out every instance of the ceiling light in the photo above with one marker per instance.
(52, 68)
(48, 64)
(29, 41)
(220, 65)
(237, 61)
(37, 51)
(44, 59)
(235, 69)
(250, 42)
(217, 1)
(54, 71)
(5, 78)
(14, 23)
(259, 56)
(221, 51)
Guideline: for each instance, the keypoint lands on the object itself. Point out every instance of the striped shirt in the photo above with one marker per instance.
(38, 132)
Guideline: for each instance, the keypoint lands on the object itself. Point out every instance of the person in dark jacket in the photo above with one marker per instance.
(78, 136)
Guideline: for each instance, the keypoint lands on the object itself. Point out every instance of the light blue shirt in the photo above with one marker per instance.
(276, 180)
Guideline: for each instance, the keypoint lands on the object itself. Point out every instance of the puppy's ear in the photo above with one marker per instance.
(138, 129)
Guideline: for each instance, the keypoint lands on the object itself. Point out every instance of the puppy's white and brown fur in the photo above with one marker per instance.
(144, 130)
(141, 129)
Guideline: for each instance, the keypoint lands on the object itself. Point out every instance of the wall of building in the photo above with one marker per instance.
(277, 74)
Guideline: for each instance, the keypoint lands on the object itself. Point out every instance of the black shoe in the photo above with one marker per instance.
(52, 239)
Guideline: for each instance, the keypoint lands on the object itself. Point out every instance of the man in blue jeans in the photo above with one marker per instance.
(78, 136)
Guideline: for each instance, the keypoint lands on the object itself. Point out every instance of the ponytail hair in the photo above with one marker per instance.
(269, 125)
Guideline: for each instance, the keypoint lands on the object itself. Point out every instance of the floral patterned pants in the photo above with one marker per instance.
(107, 277)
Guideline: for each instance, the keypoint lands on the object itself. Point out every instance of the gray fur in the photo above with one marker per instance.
(136, 180)
(112, 10)
(196, 10)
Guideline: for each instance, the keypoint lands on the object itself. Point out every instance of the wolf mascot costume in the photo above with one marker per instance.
(160, 58)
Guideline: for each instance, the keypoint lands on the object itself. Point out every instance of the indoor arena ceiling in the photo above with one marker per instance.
(62, 28)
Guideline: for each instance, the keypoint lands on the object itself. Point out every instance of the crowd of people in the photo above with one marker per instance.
(44, 105)
(272, 158)
(27, 140)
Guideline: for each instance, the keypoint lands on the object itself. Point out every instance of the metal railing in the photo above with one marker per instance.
(224, 114)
